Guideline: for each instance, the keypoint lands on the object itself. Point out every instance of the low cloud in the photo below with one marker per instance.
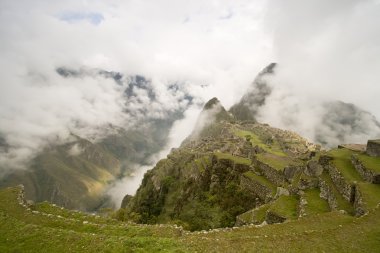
(187, 51)
(326, 53)
(57, 60)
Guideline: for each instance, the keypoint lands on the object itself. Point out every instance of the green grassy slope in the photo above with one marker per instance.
(342, 161)
(52, 229)
(315, 204)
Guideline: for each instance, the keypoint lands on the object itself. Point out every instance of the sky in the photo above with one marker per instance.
(326, 50)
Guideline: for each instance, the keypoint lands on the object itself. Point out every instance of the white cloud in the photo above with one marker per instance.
(326, 50)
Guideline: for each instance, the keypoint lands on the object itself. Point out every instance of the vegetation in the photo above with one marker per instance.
(372, 163)
(370, 194)
(236, 159)
(271, 146)
(51, 230)
(342, 160)
(343, 204)
(315, 204)
(277, 162)
(285, 206)
(262, 180)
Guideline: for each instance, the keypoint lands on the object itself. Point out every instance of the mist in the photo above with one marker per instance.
(326, 52)
(130, 183)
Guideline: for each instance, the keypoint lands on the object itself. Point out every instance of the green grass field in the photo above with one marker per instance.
(315, 204)
(285, 206)
(236, 159)
(342, 160)
(273, 148)
(372, 163)
(53, 229)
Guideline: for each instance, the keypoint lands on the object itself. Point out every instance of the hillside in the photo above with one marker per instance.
(76, 174)
(76, 168)
(48, 228)
(232, 186)
(233, 173)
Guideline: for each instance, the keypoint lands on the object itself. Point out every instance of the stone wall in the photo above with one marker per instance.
(291, 171)
(241, 168)
(272, 218)
(328, 194)
(324, 160)
(373, 148)
(367, 175)
(270, 173)
(358, 203)
(263, 192)
(346, 189)
(302, 205)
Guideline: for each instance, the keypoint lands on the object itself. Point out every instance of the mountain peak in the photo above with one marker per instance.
(255, 97)
(269, 69)
(211, 103)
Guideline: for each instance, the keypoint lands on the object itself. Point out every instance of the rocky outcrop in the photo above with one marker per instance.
(270, 173)
(308, 183)
(291, 171)
(367, 174)
(313, 169)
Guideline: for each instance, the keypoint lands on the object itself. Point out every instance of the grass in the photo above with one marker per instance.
(315, 204)
(342, 160)
(370, 194)
(327, 232)
(273, 148)
(371, 163)
(202, 163)
(262, 180)
(277, 162)
(23, 231)
(236, 159)
(60, 230)
(285, 206)
(256, 216)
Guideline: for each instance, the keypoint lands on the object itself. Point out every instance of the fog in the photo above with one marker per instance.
(326, 51)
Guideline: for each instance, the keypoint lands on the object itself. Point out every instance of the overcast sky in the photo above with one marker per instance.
(326, 50)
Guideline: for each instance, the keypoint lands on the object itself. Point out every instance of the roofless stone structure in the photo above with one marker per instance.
(373, 148)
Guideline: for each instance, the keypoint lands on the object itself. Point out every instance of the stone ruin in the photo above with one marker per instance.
(373, 148)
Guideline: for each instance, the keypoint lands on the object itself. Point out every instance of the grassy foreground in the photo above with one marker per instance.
(47, 228)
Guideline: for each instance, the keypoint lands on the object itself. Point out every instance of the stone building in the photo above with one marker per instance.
(373, 148)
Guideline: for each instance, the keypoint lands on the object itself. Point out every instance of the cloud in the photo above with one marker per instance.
(327, 51)
(41, 40)
(127, 185)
